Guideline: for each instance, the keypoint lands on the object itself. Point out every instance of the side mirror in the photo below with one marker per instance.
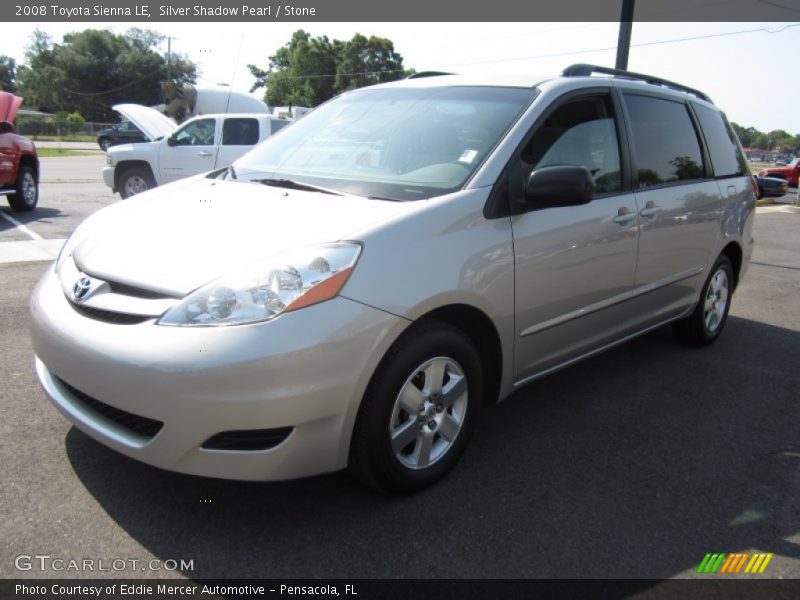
(757, 189)
(560, 185)
(171, 141)
(6, 127)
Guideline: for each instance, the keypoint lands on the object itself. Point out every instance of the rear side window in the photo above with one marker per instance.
(723, 148)
(240, 132)
(667, 148)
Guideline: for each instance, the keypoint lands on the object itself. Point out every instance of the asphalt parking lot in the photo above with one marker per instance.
(633, 464)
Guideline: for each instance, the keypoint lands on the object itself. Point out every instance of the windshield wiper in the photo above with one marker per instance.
(384, 198)
(297, 185)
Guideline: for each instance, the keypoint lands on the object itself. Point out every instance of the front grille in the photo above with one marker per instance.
(248, 439)
(109, 316)
(129, 290)
(147, 428)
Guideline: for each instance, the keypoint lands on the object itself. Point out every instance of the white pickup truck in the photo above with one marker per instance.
(199, 145)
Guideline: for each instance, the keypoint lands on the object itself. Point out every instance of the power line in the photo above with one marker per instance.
(639, 45)
(557, 54)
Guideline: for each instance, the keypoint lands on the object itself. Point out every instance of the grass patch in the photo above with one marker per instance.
(54, 152)
(78, 137)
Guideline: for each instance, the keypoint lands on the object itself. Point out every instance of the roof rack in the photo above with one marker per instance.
(583, 70)
(422, 74)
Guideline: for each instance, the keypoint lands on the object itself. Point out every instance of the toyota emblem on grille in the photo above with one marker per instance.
(81, 288)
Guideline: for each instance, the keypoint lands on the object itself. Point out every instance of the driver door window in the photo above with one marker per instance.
(579, 133)
(196, 133)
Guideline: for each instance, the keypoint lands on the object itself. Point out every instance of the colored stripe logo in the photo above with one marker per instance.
(740, 562)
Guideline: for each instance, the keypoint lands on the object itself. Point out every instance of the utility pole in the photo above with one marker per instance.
(169, 59)
(624, 41)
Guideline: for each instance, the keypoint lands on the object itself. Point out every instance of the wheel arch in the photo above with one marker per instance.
(734, 253)
(29, 160)
(123, 166)
(480, 329)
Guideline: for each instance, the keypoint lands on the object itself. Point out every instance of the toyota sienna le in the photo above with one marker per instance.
(351, 291)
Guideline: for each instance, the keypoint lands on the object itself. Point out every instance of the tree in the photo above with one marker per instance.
(75, 122)
(780, 139)
(8, 76)
(301, 72)
(367, 61)
(308, 71)
(92, 70)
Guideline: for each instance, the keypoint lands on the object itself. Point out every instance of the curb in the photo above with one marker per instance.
(71, 181)
(786, 208)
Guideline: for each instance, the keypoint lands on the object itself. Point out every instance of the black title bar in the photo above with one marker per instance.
(707, 588)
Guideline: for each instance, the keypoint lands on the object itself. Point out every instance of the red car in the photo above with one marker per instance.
(790, 172)
(19, 164)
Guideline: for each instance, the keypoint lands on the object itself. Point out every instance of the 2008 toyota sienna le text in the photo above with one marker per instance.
(352, 290)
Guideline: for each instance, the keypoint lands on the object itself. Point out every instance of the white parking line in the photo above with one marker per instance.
(20, 226)
(29, 250)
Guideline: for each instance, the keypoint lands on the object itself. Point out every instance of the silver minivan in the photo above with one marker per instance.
(352, 290)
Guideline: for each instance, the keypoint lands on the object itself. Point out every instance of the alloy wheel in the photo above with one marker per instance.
(716, 300)
(428, 413)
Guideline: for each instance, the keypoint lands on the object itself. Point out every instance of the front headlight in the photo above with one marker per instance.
(261, 292)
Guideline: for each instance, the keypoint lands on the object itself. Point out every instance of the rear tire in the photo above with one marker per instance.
(26, 195)
(708, 320)
(418, 412)
(135, 180)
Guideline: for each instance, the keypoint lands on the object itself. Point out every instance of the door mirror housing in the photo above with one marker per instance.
(171, 141)
(559, 185)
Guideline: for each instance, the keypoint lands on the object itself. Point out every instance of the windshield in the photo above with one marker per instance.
(399, 144)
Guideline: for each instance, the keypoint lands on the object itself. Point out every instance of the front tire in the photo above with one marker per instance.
(135, 180)
(418, 412)
(26, 195)
(708, 320)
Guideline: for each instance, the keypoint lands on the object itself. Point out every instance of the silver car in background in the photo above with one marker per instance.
(352, 290)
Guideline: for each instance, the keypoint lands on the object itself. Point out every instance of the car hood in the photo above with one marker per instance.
(152, 123)
(178, 237)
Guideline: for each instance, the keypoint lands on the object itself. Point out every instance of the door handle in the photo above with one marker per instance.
(650, 211)
(624, 216)
(204, 153)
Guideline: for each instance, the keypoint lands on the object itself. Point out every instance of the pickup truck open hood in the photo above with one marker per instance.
(178, 237)
(152, 123)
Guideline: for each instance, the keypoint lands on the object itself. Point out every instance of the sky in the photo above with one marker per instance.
(748, 69)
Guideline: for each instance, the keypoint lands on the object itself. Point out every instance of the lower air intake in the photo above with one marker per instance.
(141, 426)
(248, 440)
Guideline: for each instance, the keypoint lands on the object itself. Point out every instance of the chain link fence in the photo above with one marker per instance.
(59, 129)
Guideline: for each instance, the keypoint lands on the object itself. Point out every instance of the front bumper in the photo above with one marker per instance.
(108, 177)
(306, 370)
